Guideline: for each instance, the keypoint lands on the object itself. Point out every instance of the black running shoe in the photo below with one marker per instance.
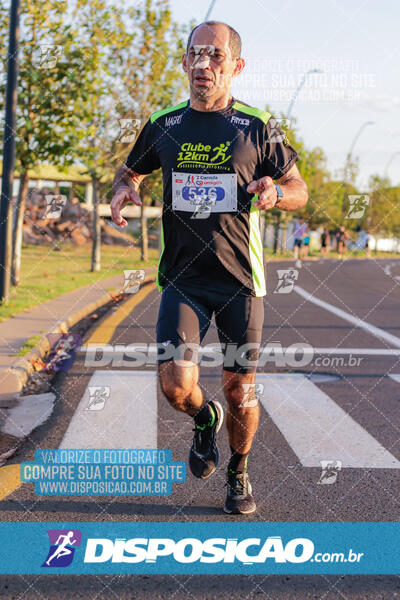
(239, 499)
(203, 454)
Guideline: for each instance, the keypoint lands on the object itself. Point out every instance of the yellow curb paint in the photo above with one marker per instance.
(105, 330)
(10, 474)
(9, 479)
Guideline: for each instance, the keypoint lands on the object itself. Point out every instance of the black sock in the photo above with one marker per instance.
(204, 416)
(238, 462)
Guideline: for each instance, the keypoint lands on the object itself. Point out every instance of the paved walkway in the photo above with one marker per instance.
(54, 315)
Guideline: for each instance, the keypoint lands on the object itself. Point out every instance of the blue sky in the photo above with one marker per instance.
(357, 46)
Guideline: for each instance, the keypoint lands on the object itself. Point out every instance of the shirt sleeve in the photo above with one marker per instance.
(279, 155)
(143, 158)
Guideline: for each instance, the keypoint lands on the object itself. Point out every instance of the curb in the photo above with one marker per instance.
(18, 374)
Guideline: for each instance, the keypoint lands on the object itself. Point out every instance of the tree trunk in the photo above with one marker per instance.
(96, 244)
(144, 241)
(276, 233)
(17, 228)
(284, 233)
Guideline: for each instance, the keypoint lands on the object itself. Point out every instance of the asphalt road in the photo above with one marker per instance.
(358, 379)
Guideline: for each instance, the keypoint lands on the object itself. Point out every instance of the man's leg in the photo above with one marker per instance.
(182, 323)
(180, 386)
(301, 250)
(242, 415)
(298, 253)
(239, 325)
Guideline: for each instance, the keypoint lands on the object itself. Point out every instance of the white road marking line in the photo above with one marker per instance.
(395, 377)
(371, 351)
(316, 428)
(128, 418)
(376, 331)
(388, 271)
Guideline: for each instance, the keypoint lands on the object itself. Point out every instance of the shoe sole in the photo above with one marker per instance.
(220, 415)
(239, 512)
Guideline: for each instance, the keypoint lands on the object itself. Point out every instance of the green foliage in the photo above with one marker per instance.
(328, 202)
(131, 69)
(48, 121)
(153, 77)
(117, 61)
(103, 35)
(382, 215)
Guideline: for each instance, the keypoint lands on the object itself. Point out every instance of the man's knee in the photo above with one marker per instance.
(177, 382)
(239, 390)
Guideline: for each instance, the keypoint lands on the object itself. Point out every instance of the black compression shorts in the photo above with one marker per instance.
(185, 316)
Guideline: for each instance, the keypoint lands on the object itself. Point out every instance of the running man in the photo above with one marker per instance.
(325, 242)
(342, 236)
(300, 231)
(213, 265)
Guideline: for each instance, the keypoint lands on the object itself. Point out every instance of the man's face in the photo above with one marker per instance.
(209, 63)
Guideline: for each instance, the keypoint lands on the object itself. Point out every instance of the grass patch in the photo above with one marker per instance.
(47, 273)
(28, 345)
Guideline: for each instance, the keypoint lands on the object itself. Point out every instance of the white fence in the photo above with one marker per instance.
(375, 242)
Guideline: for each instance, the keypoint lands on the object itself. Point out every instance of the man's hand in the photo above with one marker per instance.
(119, 201)
(266, 191)
(294, 188)
(125, 189)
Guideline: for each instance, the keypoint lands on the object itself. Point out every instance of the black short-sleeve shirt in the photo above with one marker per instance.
(210, 226)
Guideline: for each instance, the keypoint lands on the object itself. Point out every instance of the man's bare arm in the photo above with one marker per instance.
(294, 188)
(124, 189)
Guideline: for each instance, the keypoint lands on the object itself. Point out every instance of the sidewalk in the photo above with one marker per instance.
(53, 316)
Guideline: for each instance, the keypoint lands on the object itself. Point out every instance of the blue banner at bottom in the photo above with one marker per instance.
(212, 547)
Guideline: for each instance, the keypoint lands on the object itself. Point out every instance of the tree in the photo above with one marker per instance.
(382, 213)
(153, 79)
(312, 167)
(50, 88)
(328, 198)
(133, 76)
(103, 35)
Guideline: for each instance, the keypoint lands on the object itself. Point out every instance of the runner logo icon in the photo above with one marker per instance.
(287, 278)
(63, 543)
(330, 470)
(98, 395)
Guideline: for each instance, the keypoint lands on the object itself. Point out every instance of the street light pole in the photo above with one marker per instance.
(297, 90)
(389, 162)
(359, 132)
(9, 153)
(209, 10)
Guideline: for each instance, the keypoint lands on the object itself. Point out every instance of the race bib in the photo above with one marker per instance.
(213, 193)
